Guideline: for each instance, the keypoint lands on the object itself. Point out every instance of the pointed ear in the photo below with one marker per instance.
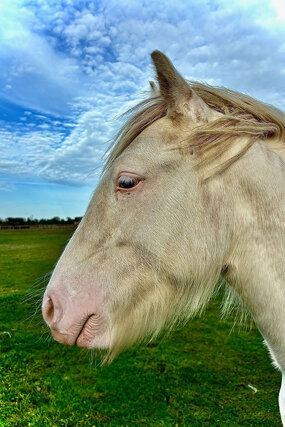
(154, 89)
(180, 98)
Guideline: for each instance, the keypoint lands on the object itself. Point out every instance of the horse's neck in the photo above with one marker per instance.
(258, 276)
(257, 260)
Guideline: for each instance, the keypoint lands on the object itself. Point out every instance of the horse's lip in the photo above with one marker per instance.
(88, 331)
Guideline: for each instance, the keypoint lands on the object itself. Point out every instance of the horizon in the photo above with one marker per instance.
(68, 68)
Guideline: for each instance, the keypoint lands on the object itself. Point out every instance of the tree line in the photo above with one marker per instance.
(18, 221)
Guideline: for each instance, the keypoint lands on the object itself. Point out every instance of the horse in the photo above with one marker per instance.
(193, 188)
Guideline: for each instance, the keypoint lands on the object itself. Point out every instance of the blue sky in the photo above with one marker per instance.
(69, 67)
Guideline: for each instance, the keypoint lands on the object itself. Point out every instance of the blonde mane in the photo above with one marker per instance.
(242, 116)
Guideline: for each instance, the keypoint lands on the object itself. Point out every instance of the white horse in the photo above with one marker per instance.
(194, 187)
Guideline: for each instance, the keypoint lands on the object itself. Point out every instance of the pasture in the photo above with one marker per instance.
(200, 375)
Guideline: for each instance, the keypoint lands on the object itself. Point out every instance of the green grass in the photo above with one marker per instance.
(198, 376)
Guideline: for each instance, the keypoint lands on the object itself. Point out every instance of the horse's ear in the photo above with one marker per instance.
(154, 89)
(180, 98)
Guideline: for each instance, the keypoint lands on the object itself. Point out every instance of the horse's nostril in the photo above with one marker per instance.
(48, 310)
(52, 308)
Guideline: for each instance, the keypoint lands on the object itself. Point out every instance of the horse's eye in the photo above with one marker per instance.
(127, 182)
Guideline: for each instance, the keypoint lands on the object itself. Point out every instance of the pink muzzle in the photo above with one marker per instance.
(76, 318)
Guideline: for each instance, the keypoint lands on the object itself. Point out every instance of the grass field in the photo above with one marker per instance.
(199, 376)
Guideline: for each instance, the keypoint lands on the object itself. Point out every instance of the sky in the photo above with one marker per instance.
(69, 68)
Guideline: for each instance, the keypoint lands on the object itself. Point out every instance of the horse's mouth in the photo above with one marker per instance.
(92, 331)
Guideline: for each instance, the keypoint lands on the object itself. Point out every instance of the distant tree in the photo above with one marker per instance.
(15, 221)
(55, 220)
(32, 220)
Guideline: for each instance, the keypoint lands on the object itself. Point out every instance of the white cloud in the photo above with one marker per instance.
(75, 159)
(279, 6)
(35, 75)
(6, 186)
